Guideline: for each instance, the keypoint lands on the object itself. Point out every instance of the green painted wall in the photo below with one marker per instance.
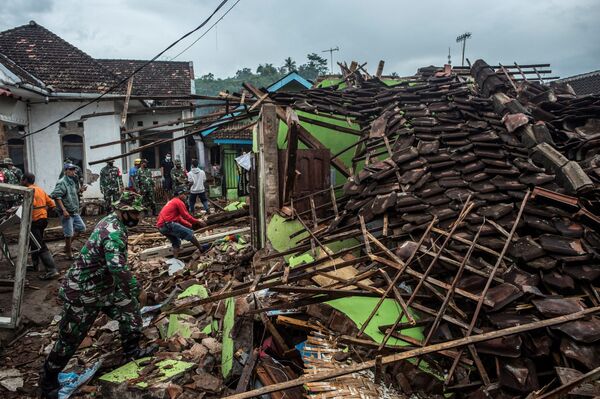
(332, 139)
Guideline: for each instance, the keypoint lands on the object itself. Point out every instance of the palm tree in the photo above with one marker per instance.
(289, 64)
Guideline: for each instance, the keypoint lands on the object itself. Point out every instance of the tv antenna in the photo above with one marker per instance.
(330, 51)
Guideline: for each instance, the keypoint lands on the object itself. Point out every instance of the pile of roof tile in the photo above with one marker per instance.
(464, 154)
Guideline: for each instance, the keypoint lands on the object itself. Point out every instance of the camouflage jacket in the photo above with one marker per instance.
(18, 173)
(110, 179)
(7, 176)
(100, 272)
(179, 177)
(144, 180)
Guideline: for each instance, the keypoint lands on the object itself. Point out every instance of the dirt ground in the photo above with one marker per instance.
(23, 348)
(39, 304)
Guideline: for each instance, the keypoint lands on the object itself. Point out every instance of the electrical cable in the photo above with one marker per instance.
(125, 79)
(208, 30)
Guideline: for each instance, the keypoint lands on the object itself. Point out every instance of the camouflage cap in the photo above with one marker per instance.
(180, 190)
(178, 162)
(137, 161)
(129, 201)
(8, 161)
(68, 160)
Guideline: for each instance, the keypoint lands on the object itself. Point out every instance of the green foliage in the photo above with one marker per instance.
(266, 74)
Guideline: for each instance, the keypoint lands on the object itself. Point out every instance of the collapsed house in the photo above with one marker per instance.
(453, 251)
(43, 77)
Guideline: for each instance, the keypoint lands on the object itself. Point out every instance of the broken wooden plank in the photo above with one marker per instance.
(457, 343)
(167, 250)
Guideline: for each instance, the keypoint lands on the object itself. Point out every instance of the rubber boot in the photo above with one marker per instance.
(48, 261)
(49, 385)
(68, 251)
(35, 263)
(132, 350)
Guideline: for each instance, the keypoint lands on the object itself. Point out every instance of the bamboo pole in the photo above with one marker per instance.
(457, 343)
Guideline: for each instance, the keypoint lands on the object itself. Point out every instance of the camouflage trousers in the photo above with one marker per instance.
(77, 320)
(110, 197)
(148, 199)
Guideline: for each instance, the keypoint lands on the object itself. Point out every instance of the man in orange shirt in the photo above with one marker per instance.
(39, 222)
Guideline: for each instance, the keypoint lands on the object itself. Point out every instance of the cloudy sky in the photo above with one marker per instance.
(405, 33)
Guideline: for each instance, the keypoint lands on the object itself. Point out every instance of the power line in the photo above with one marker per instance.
(208, 30)
(125, 79)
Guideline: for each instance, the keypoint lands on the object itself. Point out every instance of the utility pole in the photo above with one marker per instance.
(449, 58)
(330, 51)
(463, 38)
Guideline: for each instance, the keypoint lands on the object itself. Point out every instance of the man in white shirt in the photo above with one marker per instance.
(197, 177)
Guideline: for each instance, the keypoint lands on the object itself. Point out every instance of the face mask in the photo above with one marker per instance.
(128, 220)
(168, 158)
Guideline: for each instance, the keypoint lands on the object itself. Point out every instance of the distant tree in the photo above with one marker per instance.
(318, 62)
(289, 65)
(394, 75)
(315, 66)
(244, 73)
(208, 77)
(266, 70)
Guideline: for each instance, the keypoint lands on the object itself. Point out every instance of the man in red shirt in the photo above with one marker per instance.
(175, 222)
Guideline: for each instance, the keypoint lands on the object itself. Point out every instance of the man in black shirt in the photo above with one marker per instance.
(165, 166)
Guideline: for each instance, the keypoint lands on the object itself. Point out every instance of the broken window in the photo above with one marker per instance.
(72, 147)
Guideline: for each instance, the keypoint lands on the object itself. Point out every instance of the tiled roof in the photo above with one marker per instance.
(160, 77)
(33, 52)
(586, 83)
(233, 132)
(39, 57)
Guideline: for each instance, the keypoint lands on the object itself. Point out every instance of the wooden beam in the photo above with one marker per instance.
(291, 152)
(379, 72)
(559, 392)
(126, 103)
(159, 142)
(166, 250)
(457, 343)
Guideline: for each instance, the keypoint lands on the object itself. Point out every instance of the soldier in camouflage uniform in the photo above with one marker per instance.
(145, 186)
(111, 184)
(16, 171)
(179, 176)
(7, 176)
(99, 281)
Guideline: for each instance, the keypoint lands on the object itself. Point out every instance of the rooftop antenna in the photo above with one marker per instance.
(463, 38)
(330, 51)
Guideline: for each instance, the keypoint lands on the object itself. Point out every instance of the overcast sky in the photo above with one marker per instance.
(406, 34)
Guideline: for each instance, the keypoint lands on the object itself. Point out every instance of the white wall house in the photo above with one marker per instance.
(43, 78)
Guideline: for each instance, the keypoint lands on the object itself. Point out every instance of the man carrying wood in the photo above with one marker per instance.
(175, 222)
(66, 194)
(39, 221)
(99, 281)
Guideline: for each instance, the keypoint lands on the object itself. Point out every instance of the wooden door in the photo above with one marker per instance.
(314, 176)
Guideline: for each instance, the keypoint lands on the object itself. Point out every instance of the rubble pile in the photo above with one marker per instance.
(461, 258)
(483, 197)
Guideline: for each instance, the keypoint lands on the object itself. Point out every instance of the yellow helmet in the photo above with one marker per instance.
(137, 161)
